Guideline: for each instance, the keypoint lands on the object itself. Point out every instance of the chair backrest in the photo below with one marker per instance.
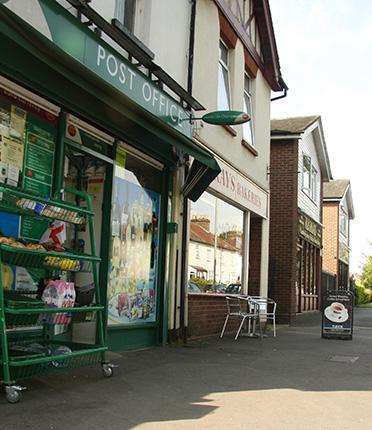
(233, 305)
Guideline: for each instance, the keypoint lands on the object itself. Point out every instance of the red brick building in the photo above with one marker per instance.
(338, 210)
(299, 165)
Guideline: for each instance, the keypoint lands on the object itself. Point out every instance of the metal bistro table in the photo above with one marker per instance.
(254, 314)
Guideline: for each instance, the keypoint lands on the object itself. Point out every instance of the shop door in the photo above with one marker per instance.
(86, 172)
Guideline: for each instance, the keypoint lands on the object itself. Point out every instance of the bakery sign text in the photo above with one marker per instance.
(241, 190)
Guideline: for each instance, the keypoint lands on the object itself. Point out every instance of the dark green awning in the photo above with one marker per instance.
(34, 61)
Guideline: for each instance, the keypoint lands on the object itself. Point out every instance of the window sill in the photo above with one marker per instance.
(249, 147)
(230, 130)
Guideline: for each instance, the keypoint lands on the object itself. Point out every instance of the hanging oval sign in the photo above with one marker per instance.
(226, 117)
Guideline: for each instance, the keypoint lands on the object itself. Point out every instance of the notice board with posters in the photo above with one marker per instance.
(337, 321)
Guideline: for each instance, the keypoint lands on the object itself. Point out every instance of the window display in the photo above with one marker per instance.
(134, 252)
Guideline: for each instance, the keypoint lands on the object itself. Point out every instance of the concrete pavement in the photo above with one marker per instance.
(294, 381)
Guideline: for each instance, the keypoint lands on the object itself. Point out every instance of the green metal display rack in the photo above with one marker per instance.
(25, 313)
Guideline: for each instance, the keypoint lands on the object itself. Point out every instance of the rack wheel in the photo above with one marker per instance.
(107, 372)
(13, 395)
(108, 369)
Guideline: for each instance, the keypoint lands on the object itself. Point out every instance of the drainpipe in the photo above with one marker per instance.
(185, 214)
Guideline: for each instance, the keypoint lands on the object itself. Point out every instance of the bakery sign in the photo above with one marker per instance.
(240, 189)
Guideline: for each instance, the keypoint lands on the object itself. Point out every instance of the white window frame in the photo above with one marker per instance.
(248, 135)
(197, 250)
(309, 177)
(224, 82)
(343, 221)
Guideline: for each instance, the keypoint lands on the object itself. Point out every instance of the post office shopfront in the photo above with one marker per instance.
(82, 116)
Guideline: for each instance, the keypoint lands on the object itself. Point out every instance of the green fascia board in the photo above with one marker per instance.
(33, 60)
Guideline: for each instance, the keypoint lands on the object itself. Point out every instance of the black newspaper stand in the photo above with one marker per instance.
(337, 321)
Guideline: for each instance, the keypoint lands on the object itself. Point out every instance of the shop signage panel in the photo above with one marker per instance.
(338, 314)
(343, 253)
(85, 45)
(309, 230)
(40, 147)
(241, 190)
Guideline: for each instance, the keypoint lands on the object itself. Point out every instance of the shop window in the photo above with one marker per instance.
(224, 93)
(132, 287)
(217, 226)
(28, 142)
(248, 126)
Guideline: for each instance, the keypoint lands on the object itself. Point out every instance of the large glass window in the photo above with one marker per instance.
(216, 228)
(132, 288)
(248, 126)
(224, 94)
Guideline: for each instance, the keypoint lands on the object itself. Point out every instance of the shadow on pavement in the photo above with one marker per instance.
(182, 383)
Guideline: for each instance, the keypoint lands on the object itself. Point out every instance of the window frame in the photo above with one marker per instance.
(247, 108)
(344, 221)
(125, 13)
(309, 177)
(224, 78)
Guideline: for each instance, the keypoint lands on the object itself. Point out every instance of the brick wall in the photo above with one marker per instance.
(206, 315)
(283, 227)
(255, 247)
(330, 237)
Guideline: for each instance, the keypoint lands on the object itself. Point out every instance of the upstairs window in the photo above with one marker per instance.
(248, 126)
(124, 12)
(343, 221)
(309, 178)
(197, 250)
(224, 94)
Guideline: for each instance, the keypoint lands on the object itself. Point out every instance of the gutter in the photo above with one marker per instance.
(284, 87)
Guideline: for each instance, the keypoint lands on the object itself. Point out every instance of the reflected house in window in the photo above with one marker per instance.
(227, 251)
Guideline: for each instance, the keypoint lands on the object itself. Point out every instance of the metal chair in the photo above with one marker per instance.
(267, 309)
(234, 309)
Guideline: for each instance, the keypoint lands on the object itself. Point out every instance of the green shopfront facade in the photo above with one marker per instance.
(116, 134)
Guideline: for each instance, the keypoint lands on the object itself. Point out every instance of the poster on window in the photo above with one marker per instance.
(133, 263)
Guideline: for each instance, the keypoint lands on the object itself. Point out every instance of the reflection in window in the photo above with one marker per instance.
(216, 231)
(224, 98)
(197, 250)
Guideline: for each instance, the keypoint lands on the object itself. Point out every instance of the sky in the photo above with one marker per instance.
(325, 55)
